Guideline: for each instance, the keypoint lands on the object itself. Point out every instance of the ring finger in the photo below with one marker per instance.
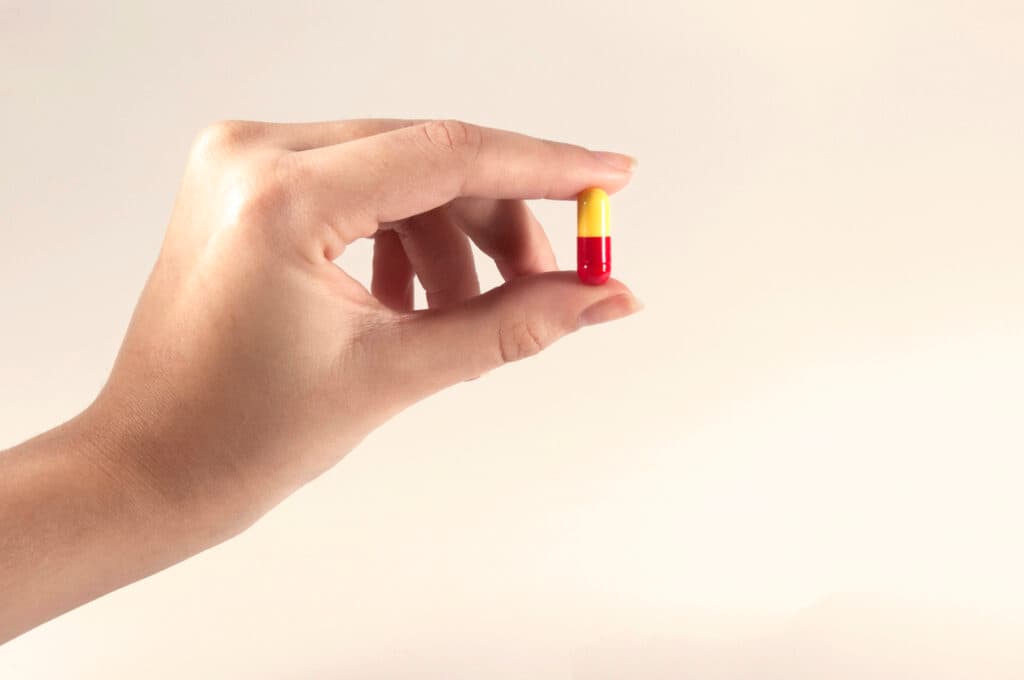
(441, 256)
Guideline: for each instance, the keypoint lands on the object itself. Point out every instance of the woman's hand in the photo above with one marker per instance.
(253, 363)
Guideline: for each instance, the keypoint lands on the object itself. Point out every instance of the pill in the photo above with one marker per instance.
(593, 237)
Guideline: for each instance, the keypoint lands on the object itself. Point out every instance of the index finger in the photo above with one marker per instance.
(408, 171)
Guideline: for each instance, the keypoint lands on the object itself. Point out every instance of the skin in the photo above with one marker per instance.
(253, 362)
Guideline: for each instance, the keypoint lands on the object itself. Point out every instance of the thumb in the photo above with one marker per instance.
(517, 320)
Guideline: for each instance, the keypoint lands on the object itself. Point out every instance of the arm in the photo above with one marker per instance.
(253, 362)
(73, 528)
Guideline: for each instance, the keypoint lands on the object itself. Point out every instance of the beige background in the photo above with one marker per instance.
(803, 460)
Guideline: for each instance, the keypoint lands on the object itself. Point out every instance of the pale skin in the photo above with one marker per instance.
(253, 362)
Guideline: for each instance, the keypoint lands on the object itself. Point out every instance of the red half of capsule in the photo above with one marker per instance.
(593, 259)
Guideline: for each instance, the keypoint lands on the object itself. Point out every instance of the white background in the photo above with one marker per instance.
(803, 459)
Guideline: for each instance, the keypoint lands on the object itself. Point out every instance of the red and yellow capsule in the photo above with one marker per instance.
(593, 237)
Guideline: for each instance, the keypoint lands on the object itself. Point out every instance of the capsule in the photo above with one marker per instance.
(593, 237)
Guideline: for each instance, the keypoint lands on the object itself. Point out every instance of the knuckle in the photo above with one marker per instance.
(451, 135)
(265, 194)
(519, 339)
(256, 194)
(225, 136)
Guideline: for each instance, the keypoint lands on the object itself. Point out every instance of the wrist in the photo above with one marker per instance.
(81, 518)
(147, 466)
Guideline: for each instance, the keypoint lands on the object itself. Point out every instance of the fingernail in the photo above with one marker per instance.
(619, 161)
(609, 309)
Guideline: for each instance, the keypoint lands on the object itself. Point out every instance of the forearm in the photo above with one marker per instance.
(75, 524)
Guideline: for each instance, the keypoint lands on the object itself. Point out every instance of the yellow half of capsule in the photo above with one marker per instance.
(593, 216)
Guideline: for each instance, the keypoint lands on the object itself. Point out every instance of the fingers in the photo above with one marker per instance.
(435, 349)
(303, 136)
(410, 170)
(434, 247)
(441, 256)
(392, 272)
(508, 232)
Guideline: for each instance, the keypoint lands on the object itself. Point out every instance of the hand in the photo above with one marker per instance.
(253, 363)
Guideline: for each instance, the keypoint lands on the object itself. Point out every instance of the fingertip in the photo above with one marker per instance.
(618, 161)
(607, 178)
(610, 308)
